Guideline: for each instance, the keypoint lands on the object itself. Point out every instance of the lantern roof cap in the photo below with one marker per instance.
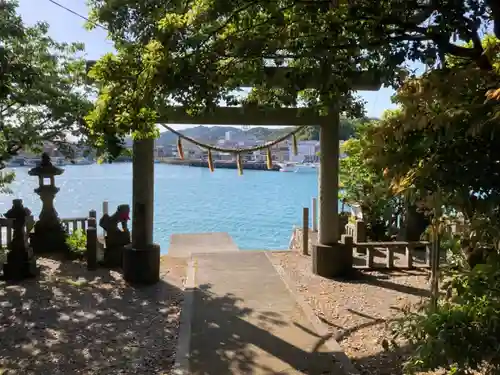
(45, 168)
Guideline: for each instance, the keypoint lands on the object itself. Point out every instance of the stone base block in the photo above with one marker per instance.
(17, 271)
(49, 241)
(113, 257)
(141, 266)
(332, 261)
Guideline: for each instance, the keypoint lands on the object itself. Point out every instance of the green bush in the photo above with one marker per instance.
(463, 333)
(77, 243)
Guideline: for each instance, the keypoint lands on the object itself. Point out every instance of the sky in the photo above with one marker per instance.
(67, 27)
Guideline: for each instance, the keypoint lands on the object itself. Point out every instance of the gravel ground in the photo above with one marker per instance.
(73, 321)
(357, 312)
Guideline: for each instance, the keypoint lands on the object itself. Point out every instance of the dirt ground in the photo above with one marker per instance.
(357, 312)
(73, 321)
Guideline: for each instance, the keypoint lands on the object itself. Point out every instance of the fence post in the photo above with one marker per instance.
(91, 248)
(92, 219)
(105, 211)
(314, 215)
(305, 231)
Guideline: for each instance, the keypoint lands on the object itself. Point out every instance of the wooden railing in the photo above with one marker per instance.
(71, 225)
(87, 224)
(6, 231)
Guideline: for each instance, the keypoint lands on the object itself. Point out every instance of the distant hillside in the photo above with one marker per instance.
(211, 134)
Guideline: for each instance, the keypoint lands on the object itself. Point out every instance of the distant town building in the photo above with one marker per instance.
(307, 151)
(232, 136)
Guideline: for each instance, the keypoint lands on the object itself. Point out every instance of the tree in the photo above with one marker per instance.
(441, 149)
(43, 96)
(364, 184)
(197, 53)
(444, 137)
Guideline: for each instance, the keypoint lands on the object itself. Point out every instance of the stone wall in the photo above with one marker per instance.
(296, 241)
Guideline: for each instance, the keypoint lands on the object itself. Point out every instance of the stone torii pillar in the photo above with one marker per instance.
(141, 261)
(330, 257)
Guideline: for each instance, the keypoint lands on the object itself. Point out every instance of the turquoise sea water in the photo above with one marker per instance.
(258, 209)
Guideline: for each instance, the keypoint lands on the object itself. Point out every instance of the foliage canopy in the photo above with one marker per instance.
(43, 94)
(197, 53)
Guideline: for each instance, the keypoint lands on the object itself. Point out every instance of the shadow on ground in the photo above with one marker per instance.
(232, 339)
(388, 361)
(383, 278)
(73, 321)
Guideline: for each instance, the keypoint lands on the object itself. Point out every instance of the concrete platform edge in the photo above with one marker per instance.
(320, 328)
(181, 364)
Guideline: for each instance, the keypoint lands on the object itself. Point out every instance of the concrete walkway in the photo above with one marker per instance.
(242, 319)
(186, 244)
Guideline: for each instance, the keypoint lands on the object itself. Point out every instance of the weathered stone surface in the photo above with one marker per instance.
(116, 239)
(49, 235)
(20, 263)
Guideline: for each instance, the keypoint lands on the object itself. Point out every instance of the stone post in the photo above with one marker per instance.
(328, 181)
(91, 248)
(314, 215)
(305, 231)
(330, 257)
(141, 261)
(143, 193)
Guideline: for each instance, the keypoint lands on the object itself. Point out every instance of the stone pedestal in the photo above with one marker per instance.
(49, 238)
(49, 235)
(141, 266)
(116, 239)
(333, 261)
(19, 266)
(21, 263)
(113, 257)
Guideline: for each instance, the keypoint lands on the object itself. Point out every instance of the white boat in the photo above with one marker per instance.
(287, 167)
(59, 161)
(31, 162)
(306, 167)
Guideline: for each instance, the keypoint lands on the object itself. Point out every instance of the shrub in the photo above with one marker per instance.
(462, 334)
(77, 243)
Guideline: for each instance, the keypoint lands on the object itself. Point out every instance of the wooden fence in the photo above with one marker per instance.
(87, 225)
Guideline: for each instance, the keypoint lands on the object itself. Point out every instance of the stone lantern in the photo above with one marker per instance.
(21, 263)
(49, 235)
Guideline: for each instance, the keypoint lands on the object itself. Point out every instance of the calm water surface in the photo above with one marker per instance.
(257, 209)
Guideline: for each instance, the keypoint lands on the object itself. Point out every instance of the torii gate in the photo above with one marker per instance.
(329, 256)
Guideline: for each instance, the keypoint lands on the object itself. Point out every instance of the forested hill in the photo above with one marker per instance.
(212, 134)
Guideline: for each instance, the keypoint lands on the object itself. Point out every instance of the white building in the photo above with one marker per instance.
(306, 151)
(232, 136)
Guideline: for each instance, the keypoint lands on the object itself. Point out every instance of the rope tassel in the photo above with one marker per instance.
(269, 159)
(294, 143)
(210, 161)
(180, 151)
(239, 165)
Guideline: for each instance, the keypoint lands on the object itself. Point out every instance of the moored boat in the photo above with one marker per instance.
(306, 168)
(287, 167)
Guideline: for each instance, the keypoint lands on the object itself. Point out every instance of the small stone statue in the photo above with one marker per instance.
(20, 261)
(116, 239)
